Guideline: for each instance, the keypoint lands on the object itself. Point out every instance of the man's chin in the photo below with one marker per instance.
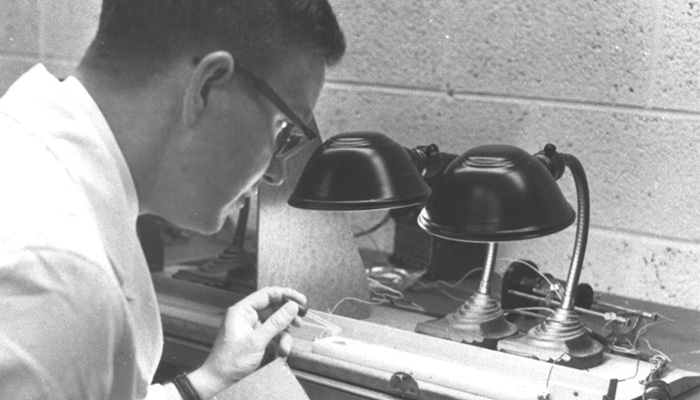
(217, 222)
(205, 229)
(204, 226)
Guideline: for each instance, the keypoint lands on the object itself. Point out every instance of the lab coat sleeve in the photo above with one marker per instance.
(62, 326)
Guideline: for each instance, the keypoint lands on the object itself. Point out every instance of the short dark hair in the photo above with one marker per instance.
(154, 32)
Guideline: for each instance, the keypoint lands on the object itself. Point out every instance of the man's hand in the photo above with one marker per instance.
(249, 327)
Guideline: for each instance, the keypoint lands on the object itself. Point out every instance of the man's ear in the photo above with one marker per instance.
(213, 70)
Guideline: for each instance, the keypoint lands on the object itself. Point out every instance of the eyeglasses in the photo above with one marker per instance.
(296, 133)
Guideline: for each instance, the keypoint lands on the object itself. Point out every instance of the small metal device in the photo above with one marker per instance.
(405, 385)
(522, 277)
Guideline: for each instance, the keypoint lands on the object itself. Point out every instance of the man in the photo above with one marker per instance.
(178, 109)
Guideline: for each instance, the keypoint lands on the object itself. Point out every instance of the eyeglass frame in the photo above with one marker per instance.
(266, 90)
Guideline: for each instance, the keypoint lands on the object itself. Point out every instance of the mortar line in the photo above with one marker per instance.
(29, 58)
(63, 60)
(645, 235)
(519, 100)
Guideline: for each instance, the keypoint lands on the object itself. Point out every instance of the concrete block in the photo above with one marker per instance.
(676, 83)
(19, 27)
(12, 68)
(69, 26)
(637, 53)
(390, 42)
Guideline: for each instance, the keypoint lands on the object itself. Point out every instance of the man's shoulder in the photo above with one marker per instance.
(39, 194)
(40, 158)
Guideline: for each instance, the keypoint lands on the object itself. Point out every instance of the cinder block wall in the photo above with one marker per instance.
(615, 83)
(55, 33)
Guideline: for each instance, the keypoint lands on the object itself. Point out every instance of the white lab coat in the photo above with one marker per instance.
(78, 313)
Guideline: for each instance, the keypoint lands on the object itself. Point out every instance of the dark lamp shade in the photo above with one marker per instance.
(496, 193)
(359, 171)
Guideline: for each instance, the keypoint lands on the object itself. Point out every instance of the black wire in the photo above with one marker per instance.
(375, 227)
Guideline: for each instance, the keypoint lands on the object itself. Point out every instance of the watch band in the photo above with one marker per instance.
(184, 386)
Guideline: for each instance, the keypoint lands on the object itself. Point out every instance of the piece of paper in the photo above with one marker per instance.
(275, 381)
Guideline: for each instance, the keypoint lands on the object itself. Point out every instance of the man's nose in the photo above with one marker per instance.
(276, 171)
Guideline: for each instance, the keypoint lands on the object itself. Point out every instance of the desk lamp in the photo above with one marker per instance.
(490, 194)
(562, 337)
(499, 193)
(366, 171)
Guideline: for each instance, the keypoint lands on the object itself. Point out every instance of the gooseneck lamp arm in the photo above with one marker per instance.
(581, 230)
(556, 163)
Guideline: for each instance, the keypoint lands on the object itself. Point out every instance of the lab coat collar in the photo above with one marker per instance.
(120, 226)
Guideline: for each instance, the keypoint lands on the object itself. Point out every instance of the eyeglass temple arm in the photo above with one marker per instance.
(262, 86)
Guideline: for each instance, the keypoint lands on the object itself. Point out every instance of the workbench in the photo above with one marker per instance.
(191, 315)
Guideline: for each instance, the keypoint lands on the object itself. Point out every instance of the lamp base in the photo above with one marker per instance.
(478, 321)
(562, 339)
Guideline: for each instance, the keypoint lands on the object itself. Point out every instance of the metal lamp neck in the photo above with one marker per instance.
(582, 224)
(556, 163)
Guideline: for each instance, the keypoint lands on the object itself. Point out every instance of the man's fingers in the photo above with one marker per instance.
(280, 346)
(278, 322)
(285, 344)
(297, 322)
(269, 295)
